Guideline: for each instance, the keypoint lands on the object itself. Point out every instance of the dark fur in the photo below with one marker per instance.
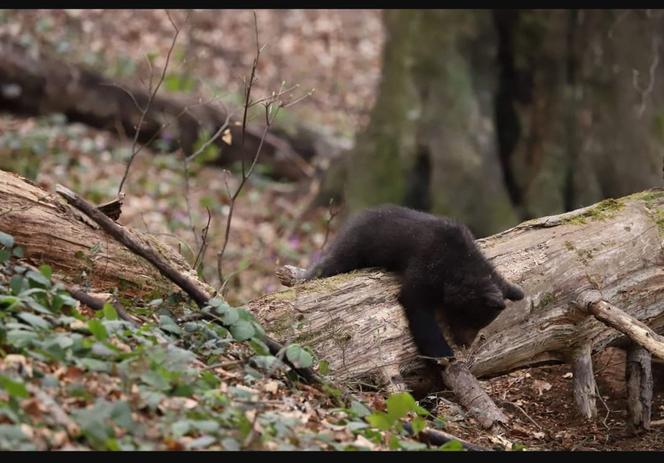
(441, 268)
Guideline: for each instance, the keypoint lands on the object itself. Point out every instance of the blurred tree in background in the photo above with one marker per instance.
(493, 117)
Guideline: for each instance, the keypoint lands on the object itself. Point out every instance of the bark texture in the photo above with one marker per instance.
(638, 377)
(52, 232)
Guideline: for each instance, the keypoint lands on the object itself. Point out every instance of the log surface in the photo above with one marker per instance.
(52, 232)
(615, 247)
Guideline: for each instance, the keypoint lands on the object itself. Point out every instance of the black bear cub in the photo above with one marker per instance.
(440, 266)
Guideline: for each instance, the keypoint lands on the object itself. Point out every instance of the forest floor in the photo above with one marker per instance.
(338, 53)
(540, 403)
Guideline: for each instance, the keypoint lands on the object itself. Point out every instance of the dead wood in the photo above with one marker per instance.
(52, 232)
(638, 378)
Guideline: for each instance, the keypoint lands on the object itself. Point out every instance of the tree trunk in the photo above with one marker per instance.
(52, 232)
(431, 139)
(355, 322)
(41, 84)
(510, 114)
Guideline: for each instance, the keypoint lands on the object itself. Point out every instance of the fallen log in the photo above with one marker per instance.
(615, 247)
(32, 82)
(52, 232)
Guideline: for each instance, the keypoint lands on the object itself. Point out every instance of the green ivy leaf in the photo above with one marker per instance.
(9, 302)
(46, 270)
(380, 420)
(299, 357)
(16, 284)
(15, 389)
(98, 329)
(229, 315)
(6, 240)
(451, 446)
(94, 364)
(166, 323)
(399, 404)
(412, 445)
(38, 278)
(242, 330)
(259, 347)
(202, 442)
(21, 338)
(418, 424)
(34, 320)
(109, 312)
(359, 409)
(323, 367)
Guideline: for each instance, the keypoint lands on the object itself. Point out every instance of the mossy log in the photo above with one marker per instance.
(52, 232)
(615, 247)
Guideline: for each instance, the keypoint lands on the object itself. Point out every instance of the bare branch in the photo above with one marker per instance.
(204, 243)
(127, 91)
(134, 148)
(212, 139)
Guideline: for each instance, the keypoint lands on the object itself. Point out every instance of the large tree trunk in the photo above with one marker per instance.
(52, 232)
(512, 114)
(615, 247)
(38, 84)
(431, 140)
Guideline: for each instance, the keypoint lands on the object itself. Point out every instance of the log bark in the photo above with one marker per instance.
(638, 378)
(52, 232)
(472, 397)
(35, 83)
(355, 322)
(584, 381)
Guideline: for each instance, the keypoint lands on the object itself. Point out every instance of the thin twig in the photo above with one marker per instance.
(247, 96)
(187, 200)
(204, 243)
(332, 214)
(608, 410)
(522, 411)
(211, 140)
(134, 149)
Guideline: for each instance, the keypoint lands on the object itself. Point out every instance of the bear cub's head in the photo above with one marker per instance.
(473, 301)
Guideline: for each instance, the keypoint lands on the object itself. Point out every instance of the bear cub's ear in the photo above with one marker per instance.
(494, 300)
(513, 292)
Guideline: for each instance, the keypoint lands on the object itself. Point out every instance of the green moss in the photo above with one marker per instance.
(649, 196)
(659, 220)
(331, 283)
(545, 300)
(602, 210)
(282, 327)
(285, 295)
(584, 256)
(654, 200)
